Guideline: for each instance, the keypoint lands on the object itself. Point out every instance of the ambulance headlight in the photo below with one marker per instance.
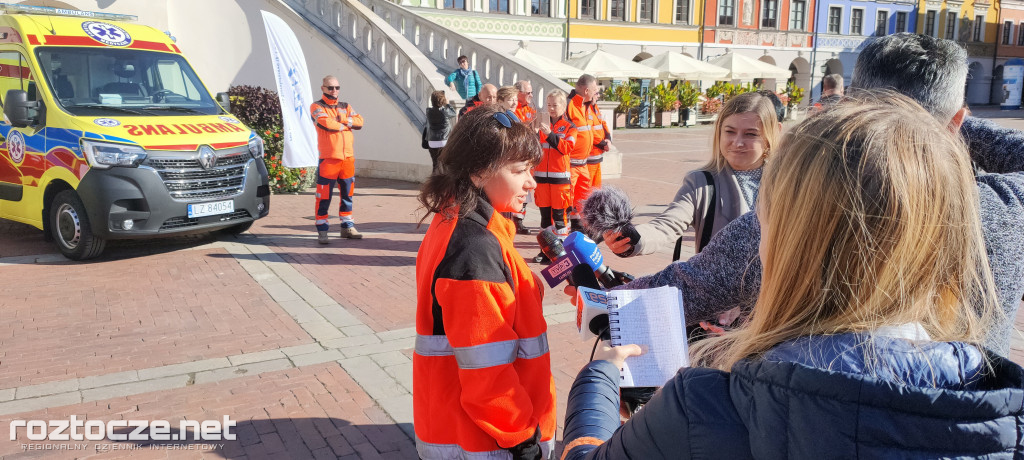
(256, 147)
(102, 155)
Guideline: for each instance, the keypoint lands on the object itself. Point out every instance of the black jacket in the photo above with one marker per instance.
(439, 122)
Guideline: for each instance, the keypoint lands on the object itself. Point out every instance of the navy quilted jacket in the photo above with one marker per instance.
(814, 398)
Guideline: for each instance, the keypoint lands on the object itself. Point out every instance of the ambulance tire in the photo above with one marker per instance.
(70, 228)
(238, 229)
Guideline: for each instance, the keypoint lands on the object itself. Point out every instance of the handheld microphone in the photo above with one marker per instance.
(608, 209)
(592, 313)
(579, 247)
(563, 266)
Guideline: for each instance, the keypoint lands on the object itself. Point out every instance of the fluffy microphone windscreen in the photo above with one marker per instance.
(606, 209)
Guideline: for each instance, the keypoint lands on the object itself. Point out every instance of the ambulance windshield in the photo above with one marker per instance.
(113, 81)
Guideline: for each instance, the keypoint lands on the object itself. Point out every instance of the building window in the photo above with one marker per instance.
(1007, 32)
(501, 6)
(539, 7)
(882, 23)
(646, 10)
(682, 11)
(835, 19)
(1020, 34)
(587, 10)
(796, 14)
(979, 25)
(618, 11)
(929, 23)
(901, 21)
(726, 12)
(951, 26)
(769, 13)
(455, 4)
(857, 22)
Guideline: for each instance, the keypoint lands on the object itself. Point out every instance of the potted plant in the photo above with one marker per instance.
(662, 99)
(628, 96)
(795, 96)
(688, 96)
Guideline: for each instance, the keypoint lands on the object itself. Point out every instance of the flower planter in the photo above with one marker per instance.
(687, 117)
(620, 120)
(795, 114)
(663, 119)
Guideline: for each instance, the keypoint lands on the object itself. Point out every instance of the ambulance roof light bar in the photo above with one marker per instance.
(44, 10)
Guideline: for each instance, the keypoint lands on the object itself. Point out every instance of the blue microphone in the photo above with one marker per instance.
(581, 248)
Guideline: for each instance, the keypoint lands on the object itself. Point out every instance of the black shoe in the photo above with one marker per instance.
(523, 230)
(541, 259)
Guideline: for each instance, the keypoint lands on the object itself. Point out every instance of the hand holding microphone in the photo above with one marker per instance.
(607, 214)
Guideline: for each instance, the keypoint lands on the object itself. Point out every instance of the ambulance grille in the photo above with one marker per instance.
(187, 180)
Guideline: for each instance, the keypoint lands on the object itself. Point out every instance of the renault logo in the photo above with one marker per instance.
(207, 159)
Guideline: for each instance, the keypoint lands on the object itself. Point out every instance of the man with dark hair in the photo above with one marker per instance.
(780, 110)
(727, 273)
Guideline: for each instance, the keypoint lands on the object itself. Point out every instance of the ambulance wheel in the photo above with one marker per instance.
(238, 229)
(70, 228)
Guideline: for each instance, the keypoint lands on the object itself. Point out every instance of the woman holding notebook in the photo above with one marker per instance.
(864, 341)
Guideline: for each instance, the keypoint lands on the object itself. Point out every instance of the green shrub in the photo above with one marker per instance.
(260, 109)
(663, 97)
(688, 95)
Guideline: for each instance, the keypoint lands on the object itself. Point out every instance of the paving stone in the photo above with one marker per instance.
(280, 292)
(24, 405)
(7, 394)
(256, 357)
(399, 408)
(301, 349)
(353, 331)
(183, 368)
(397, 334)
(134, 388)
(351, 342)
(322, 330)
(389, 358)
(44, 389)
(559, 318)
(338, 316)
(370, 349)
(108, 379)
(300, 310)
(315, 297)
(377, 383)
(317, 358)
(402, 373)
(218, 375)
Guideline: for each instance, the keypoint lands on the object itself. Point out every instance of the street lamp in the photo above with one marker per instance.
(703, 19)
(567, 29)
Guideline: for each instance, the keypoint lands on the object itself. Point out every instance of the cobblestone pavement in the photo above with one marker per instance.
(307, 348)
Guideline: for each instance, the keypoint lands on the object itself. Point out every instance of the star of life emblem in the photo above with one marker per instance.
(106, 33)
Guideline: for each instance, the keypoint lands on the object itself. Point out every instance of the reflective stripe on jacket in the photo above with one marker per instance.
(554, 162)
(334, 124)
(526, 113)
(482, 378)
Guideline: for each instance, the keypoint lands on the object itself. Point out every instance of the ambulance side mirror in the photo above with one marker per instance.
(19, 110)
(224, 100)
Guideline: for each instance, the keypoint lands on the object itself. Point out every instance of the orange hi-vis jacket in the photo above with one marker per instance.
(556, 146)
(482, 378)
(600, 134)
(526, 113)
(335, 122)
(585, 118)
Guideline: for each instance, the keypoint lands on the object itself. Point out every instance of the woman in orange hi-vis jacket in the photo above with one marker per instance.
(554, 190)
(482, 383)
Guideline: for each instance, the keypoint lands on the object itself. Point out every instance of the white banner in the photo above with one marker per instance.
(292, 78)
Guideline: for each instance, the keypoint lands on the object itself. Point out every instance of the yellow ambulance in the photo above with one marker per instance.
(109, 134)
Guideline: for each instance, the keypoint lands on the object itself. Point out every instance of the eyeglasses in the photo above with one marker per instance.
(506, 118)
(332, 88)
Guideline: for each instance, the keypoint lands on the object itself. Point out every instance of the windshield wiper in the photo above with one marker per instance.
(174, 108)
(109, 107)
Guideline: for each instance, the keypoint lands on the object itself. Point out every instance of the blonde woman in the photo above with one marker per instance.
(725, 188)
(864, 341)
(508, 98)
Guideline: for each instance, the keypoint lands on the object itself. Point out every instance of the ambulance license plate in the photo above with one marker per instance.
(211, 209)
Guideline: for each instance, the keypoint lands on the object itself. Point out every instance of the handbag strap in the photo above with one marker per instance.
(709, 220)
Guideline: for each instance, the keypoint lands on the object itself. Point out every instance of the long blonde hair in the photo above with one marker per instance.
(746, 102)
(870, 214)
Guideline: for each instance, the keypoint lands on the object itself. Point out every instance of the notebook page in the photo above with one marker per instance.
(653, 319)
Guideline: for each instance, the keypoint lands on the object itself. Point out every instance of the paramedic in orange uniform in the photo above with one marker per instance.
(335, 122)
(554, 188)
(602, 142)
(581, 112)
(482, 382)
(525, 110)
